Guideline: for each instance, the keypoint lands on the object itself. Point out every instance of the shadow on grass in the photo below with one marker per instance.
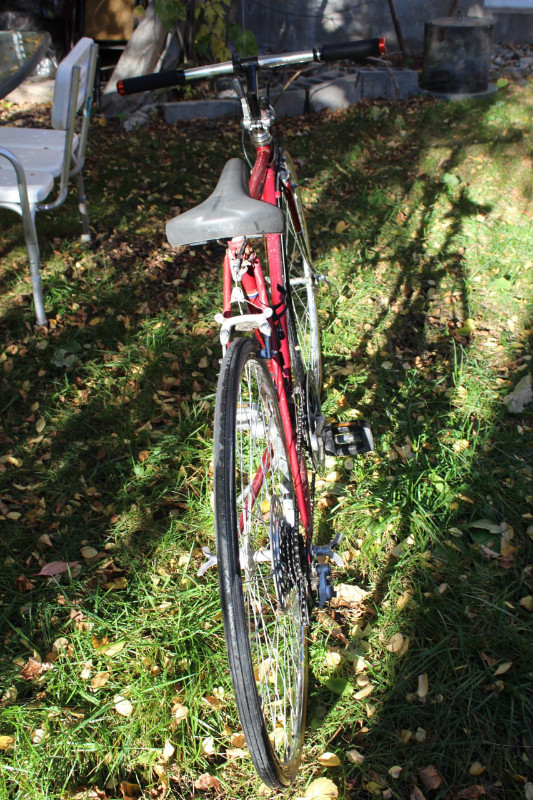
(123, 390)
(443, 473)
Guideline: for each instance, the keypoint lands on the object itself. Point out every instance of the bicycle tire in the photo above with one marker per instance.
(304, 329)
(264, 621)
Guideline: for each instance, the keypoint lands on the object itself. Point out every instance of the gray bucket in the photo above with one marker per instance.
(456, 56)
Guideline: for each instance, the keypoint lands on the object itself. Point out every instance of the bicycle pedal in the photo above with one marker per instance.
(348, 438)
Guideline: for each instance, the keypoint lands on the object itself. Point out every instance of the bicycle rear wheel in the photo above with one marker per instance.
(302, 280)
(259, 554)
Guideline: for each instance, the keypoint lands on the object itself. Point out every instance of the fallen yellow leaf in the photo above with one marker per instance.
(130, 791)
(112, 649)
(333, 659)
(467, 327)
(168, 751)
(355, 757)
(329, 760)
(395, 643)
(503, 668)
(364, 692)
(423, 686)
(100, 679)
(321, 789)
(347, 595)
(180, 712)
(395, 772)
(527, 602)
(6, 742)
(477, 768)
(208, 746)
(236, 752)
(122, 706)
(88, 553)
(238, 740)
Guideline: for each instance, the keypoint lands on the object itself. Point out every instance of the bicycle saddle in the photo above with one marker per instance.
(229, 211)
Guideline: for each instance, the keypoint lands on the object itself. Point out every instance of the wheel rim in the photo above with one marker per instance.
(302, 280)
(264, 504)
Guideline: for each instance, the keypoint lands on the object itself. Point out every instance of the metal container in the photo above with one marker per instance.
(456, 56)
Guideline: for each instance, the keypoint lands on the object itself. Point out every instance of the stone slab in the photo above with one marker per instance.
(335, 94)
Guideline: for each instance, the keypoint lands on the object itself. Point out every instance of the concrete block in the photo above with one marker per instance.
(390, 84)
(335, 94)
(405, 83)
(185, 110)
(291, 103)
(376, 83)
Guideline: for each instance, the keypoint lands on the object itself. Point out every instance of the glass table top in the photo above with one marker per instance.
(20, 52)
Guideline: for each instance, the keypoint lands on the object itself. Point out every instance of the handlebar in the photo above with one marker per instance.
(356, 50)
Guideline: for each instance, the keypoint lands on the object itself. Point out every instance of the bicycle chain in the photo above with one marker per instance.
(299, 556)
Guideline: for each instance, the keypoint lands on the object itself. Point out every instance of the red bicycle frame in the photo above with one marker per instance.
(263, 187)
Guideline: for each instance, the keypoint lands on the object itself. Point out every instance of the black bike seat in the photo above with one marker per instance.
(229, 211)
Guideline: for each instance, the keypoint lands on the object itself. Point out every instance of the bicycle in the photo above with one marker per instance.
(270, 435)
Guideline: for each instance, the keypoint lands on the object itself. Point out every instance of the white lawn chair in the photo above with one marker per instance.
(34, 158)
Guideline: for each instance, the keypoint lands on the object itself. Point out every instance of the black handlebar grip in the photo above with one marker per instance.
(145, 83)
(359, 50)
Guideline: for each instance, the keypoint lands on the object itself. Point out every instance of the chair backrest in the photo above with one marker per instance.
(82, 56)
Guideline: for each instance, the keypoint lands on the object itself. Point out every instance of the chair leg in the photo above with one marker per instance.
(32, 246)
(82, 207)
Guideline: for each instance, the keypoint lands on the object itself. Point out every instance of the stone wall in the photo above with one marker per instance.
(280, 25)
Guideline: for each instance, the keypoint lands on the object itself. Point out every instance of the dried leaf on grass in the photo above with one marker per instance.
(477, 768)
(100, 679)
(6, 742)
(527, 602)
(430, 778)
(108, 648)
(398, 644)
(423, 686)
(208, 746)
(168, 751)
(130, 791)
(417, 794)
(179, 712)
(58, 567)
(395, 772)
(362, 693)
(321, 789)
(329, 760)
(236, 752)
(238, 740)
(355, 757)
(503, 668)
(122, 706)
(88, 553)
(206, 781)
(347, 595)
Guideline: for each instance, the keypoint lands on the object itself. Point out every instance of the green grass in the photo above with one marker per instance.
(420, 213)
